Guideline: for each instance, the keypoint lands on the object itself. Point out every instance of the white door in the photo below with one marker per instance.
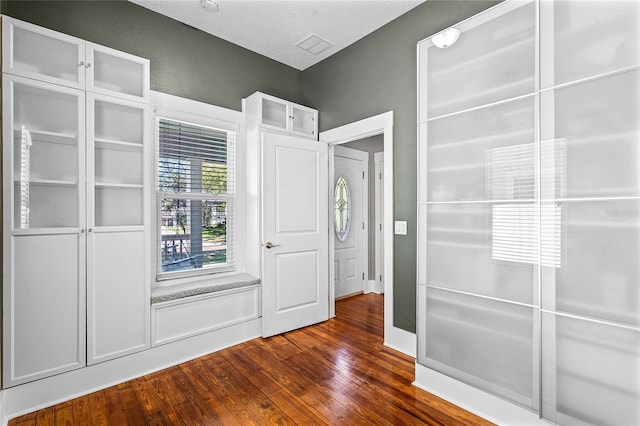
(295, 222)
(350, 196)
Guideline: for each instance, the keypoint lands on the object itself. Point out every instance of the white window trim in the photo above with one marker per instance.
(182, 109)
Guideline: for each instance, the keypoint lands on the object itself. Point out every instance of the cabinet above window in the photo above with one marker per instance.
(284, 116)
(46, 55)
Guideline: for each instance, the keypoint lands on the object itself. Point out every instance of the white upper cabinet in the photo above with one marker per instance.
(284, 116)
(46, 55)
(115, 73)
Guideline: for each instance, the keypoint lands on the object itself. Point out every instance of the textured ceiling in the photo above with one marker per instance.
(273, 28)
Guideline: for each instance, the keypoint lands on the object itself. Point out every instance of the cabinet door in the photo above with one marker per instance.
(117, 217)
(42, 54)
(303, 121)
(274, 113)
(117, 73)
(117, 294)
(44, 246)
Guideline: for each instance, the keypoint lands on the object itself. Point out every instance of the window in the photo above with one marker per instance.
(196, 195)
(342, 208)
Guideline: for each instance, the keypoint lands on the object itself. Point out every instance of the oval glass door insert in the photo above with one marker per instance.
(342, 197)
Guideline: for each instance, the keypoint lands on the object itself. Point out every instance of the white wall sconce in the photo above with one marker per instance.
(210, 5)
(446, 38)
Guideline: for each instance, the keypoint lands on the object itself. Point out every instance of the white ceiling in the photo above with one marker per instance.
(273, 27)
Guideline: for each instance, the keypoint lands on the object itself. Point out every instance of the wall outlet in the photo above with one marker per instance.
(401, 227)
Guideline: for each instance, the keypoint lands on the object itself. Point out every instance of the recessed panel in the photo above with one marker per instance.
(296, 280)
(117, 304)
(46, 297)
(350, 266)
(296, 191)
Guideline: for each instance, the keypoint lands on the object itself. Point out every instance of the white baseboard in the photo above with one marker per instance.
(43, 393)
(400, 340)
(481, 403)
(374, 286)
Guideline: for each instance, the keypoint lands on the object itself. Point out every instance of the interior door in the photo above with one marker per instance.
(295, 245)
(350, 184)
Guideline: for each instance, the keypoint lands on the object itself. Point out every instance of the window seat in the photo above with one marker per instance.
(210, 285)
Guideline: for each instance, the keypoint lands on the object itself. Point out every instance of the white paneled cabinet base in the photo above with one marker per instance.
(528, 201)
(75, 203)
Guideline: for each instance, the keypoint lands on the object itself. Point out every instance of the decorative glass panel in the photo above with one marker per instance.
(342, 208)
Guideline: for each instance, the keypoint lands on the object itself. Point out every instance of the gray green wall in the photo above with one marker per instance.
(375, 75)
(184, 61)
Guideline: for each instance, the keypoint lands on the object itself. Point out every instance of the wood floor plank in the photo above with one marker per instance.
(81, 410)
(336, 372)
(64, 414)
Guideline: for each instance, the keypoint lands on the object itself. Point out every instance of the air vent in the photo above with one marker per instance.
(314, 44)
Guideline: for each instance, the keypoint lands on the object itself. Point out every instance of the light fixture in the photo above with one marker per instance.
(210, 5)
(446, 38)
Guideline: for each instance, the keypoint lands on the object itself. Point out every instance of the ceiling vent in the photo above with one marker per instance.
(314, 44)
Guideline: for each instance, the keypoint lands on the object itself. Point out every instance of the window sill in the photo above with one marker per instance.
(210, 285)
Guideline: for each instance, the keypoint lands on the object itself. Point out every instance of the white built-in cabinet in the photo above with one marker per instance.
(266, 113)
(278, 115)
(528, 208)
(75, 203)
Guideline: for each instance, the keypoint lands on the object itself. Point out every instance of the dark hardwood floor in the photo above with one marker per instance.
(337, 372)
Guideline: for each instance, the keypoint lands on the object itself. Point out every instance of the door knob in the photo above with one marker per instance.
(269, 245)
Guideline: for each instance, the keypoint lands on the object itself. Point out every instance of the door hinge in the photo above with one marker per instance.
(362, 225)
(381, 227)
(380, 176)
(363, 275)
(363, 174)
(380, 278)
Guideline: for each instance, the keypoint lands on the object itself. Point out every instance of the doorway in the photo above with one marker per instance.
(357, 160)
(381, 124)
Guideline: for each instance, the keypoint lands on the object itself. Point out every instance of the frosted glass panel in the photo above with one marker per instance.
(118, 166)
(590, 372)
(490, 340)
(118, 122)
(484, 154)
(118, 206)
(591, 143)
(118, 74)
(46, 110)
(49, 56)
(274, 113)
(483, 249)
(50, 206)
(490, 62)
(581, 39)
(599, 275)
(303, 121)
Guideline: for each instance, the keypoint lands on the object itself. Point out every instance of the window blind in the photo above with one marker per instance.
(196, 194)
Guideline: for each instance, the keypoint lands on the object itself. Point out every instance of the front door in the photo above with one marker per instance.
(350, 188)
(295, 252)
